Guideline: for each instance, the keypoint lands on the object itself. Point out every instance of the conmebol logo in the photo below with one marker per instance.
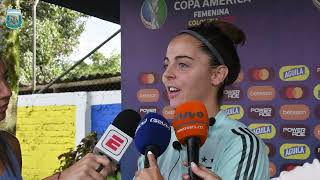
(294, 73)
(264, 131)
(233, 111)
(294, 151)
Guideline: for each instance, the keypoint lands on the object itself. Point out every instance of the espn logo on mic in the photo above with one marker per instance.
(114, 142)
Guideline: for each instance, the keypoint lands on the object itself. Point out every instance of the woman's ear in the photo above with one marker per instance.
(219, 74)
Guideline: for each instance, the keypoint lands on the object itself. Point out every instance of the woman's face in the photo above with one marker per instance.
(5, 92)
(187, 74)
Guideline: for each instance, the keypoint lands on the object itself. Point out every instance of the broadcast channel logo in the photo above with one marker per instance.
(114, 142)
(153, 13)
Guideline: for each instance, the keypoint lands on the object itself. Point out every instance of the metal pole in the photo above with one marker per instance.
(34, 62)
(78, 62)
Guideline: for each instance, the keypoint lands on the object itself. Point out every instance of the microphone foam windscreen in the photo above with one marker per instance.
(154, 129)
(191, 120)
(127, 121)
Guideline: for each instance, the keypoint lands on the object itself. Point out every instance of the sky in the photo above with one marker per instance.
(96, 31)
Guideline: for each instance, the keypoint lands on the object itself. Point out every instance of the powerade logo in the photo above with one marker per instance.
(153, 13)
(318, 71)
(261, 112)
(317, 111)
(294, 131)
(294, 151)
(294, 73)
(317, 151)
(264, 131)
(233, 111)
(232, 94)
(145, 110)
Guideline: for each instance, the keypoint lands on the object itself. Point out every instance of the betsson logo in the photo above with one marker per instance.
(148, 95)
(294, 112)
(295, 151)
(261, 112)
(296, 131)
(294, 73)
(261, 93)
(168, 112)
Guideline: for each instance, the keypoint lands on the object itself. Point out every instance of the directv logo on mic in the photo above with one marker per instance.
(152, 120)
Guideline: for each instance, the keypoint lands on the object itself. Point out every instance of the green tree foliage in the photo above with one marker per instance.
(58, 32)
(98, 64)
(9, 52)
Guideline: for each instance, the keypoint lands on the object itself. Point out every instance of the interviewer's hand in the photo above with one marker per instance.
(202, 172)
(151, 173)
(85, 169)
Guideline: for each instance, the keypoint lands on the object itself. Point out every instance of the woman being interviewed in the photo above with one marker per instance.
(199, 63)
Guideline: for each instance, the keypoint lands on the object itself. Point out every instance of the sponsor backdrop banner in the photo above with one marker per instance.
(278, 91)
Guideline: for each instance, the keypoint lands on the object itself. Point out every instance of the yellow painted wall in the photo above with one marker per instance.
(44, 132)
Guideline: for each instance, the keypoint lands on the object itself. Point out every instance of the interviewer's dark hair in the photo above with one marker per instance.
(224, 37)
(4, 155)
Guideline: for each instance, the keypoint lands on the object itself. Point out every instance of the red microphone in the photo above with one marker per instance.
(191, 124)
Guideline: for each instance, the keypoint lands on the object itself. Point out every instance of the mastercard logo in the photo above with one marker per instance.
(272, 169)
(294, 112)
(317, 151)
(168, 112)
(317, 131)
(147, 78)
(317, 111)
(316, 91)
(294, 131)
(271, 150)
(264, 131)
(261, 74)
(294, 73)
(294, 92)
(146, 109)
(289, 166)
(233, 111)
(261, 112)
(294, 151)
(148, 95)
(239, 78)
(232, 93)
(261, 93)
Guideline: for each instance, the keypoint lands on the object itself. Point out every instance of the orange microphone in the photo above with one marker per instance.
(191, 125)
